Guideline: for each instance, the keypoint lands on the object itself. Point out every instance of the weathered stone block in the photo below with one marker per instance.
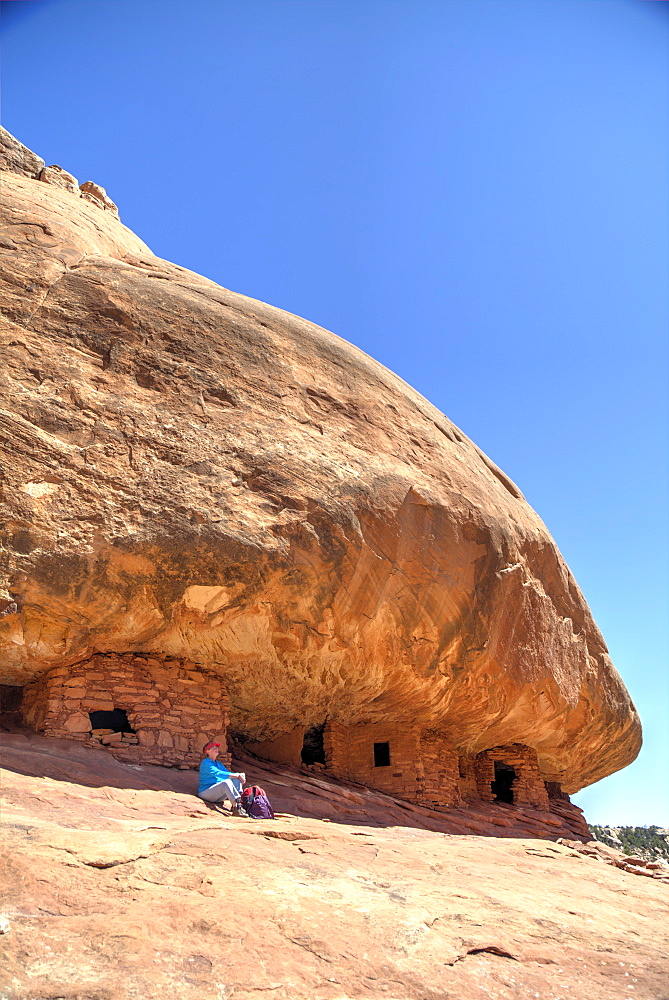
(98, 196)
(97, 706)
(59, 178)
(78, 723)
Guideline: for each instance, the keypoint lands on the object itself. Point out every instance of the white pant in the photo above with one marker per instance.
(229, 788)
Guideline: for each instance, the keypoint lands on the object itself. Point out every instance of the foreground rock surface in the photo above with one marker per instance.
(127, 886)
(193, 473)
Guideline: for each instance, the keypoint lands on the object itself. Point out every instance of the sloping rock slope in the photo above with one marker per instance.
(187, 471)
(119, 884)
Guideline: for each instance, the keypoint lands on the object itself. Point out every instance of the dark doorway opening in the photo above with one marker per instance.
(313, 751)
(117, 721)
(382, 755)
(10, 698)
(10, 704)
(502, 786)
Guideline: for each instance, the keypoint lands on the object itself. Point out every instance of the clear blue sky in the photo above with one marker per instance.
(472, 191)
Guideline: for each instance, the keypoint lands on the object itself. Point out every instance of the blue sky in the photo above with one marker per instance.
(472, 191)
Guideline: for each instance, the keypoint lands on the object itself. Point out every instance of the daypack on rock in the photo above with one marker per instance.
(256, 803)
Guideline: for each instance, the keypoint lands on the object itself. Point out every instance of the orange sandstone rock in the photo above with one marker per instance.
(119, 883)
(191, 473)
(61, 178)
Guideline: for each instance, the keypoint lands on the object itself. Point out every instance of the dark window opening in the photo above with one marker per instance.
(117, 721)
(502, 786)
(382, 755)
(313, 751)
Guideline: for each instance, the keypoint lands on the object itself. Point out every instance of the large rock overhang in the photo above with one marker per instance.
(195, 473)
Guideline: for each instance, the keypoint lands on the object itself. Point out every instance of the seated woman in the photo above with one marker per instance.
(217, 783)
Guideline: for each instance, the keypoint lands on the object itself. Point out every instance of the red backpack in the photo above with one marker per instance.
(256, 804)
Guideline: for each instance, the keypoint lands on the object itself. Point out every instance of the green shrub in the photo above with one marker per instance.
(648, 842)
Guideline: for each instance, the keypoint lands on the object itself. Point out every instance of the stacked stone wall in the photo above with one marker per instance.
(349, 753)
(173, 706)
(467, 785)
(484, 769)
(438, 788)
(335, 747)
(528, 787)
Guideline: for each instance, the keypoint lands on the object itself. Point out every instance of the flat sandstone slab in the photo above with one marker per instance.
(119, 893)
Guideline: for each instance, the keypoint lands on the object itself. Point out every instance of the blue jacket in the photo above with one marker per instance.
(211, 772)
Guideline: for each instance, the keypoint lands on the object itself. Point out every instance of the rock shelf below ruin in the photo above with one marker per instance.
(346, 894)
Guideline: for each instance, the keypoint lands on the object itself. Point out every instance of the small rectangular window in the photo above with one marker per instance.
(382, 755)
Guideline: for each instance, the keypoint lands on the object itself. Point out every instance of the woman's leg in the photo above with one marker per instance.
(237, 788)
(230, 788)
(218, 792)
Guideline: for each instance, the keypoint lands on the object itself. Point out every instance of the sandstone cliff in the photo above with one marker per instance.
(189, 472)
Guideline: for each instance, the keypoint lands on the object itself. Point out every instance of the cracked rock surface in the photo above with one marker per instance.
(129, 887)
(191, 472)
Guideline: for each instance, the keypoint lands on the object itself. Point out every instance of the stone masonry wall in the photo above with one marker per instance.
(335, 746)
(528, 787)
(174, 706)
(349, 753)
(467, 786)
(439, 763)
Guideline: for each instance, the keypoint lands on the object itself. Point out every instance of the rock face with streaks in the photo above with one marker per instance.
(190, 473)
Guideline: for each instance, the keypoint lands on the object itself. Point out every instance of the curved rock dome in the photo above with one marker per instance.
(190, 472)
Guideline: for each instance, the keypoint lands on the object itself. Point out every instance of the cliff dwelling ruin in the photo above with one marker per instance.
(151, 710)
(144, 709)
(220, 520)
